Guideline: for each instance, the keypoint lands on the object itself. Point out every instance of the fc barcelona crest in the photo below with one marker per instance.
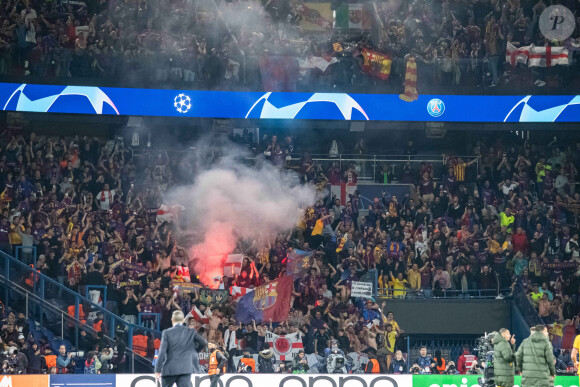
(265, 296)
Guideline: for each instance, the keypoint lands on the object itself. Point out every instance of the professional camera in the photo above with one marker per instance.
(451, 369)
(484, 350)
(335, 364)
(483, 345)
(476, 369)
(415, 370)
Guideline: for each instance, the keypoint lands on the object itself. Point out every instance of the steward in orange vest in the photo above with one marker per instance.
(247, 364)
(217, 362)
(372, 366)
(82, 315)
(31, 278)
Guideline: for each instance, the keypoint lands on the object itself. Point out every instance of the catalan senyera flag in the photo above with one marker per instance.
(376, 64)
(270, 302)
(315, 16)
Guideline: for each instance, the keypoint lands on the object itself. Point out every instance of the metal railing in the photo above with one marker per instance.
(61, 297)
(525, 307)
(394, 293)
(451, 348)
(50, 317)
(433, 76)
(369, 167)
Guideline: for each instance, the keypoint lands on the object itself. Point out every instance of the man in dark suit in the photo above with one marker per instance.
(178, 353)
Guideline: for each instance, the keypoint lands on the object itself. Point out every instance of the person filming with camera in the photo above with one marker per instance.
(504, 358)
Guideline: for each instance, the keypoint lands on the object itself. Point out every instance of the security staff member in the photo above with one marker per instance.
(372, 366)
(217, 363)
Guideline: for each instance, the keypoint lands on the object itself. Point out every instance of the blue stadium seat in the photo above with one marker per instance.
(37, 335)
(48, 334)
(55, 344)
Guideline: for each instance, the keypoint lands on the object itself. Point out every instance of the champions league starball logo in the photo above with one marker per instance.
(182, 103)
(332, 106)
(436, 107)
(60, 99)
(545, 109)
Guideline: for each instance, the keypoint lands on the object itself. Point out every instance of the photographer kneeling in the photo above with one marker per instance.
(504, 358)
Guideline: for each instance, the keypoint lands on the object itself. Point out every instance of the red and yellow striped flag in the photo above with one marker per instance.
(410, 94)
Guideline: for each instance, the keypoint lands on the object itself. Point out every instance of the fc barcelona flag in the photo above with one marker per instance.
(376, 64)
(267, 302)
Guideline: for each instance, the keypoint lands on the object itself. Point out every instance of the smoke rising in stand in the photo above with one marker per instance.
(230, 201)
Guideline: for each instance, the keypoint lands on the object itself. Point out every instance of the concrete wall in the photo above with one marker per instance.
(450, 317)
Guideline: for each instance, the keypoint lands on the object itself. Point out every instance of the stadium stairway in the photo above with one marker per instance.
(46, 303)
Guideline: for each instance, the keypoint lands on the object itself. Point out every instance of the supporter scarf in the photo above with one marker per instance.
(135, 268)
(186, 287)
(410, 83)
(124, 284)
(560, 265)
(108, 195)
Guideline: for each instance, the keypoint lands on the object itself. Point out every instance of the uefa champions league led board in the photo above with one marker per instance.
(288, 106)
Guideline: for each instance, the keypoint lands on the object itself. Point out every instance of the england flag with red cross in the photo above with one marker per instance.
(285, 347)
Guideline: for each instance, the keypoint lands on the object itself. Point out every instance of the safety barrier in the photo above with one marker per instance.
(259, 380)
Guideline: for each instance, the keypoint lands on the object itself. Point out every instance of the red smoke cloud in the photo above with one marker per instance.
(211, 253)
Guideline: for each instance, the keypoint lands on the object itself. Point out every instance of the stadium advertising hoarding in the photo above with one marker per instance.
(259, 380)
(23, 380)
(76, 380)
(472, 381)
(280, 380)
(278, 105)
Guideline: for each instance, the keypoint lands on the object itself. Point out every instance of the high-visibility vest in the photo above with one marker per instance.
(140, 345)
(32, 277)
(374, 363)
(213, 363)
(98, 326)
(82, 316)
(50, 361)
(442, 367)
(249, 362)
(156, 343)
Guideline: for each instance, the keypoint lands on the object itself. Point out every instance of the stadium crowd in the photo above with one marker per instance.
(221, 44)
(91, 210)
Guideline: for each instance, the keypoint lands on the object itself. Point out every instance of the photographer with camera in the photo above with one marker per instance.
(424, 362)
(18, 362)
(247, 364)
(300, 363)
(504, 358)
(64, 361)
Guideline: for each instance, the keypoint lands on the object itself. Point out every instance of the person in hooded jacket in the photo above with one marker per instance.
(34, 359)
(504, 357)
(266, 360)
(535, 359)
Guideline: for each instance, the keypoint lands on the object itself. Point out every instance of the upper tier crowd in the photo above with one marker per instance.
(457, 45)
